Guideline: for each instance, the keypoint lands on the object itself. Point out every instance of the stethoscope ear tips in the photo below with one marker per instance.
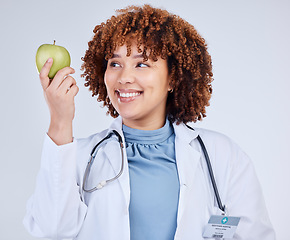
(101, 184)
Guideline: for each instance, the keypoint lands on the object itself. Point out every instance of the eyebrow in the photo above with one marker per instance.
(134, 56)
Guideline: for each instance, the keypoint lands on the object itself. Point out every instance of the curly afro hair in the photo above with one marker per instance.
(159, 34)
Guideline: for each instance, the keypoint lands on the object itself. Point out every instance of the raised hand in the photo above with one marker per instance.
(59, 94)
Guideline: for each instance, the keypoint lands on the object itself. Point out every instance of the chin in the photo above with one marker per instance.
(129, 112)
(128, 117)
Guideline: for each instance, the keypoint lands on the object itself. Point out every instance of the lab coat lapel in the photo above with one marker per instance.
(113, 153)
(187, 160)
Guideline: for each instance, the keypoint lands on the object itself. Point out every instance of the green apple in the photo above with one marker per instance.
(60, 56)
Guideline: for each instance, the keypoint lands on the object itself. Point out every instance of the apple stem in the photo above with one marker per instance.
(53, 42)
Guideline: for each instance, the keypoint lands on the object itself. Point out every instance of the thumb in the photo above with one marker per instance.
(43, 75)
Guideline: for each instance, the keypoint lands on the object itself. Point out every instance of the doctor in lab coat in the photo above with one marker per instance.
(60, 209)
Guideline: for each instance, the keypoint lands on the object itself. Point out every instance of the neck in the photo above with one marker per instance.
(145, 125)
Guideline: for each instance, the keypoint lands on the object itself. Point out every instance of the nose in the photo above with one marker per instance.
(126, 76)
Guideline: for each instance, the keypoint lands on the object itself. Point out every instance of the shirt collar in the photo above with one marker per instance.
(148, 136)
(182, 132)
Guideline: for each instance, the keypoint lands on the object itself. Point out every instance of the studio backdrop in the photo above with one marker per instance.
(249, 44)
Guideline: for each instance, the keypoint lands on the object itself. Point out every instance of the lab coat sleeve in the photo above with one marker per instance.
(245, 199)
(55, 209)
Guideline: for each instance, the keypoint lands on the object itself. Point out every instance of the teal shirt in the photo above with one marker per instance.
(154, 182)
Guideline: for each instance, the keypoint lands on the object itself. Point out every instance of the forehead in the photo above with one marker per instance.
(128, 50)
(133, 50)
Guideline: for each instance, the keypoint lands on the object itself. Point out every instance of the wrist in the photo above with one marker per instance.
(60, 132)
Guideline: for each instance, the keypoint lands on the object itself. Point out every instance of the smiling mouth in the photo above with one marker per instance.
(127, 96)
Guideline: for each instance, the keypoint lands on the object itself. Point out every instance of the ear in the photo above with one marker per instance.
(170, 89)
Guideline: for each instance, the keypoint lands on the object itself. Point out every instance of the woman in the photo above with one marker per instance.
(153, 72)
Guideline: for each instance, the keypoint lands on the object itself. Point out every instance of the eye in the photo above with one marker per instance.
(114, 64)
(142, 65)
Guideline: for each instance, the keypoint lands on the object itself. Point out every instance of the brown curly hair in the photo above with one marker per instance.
(161, 34)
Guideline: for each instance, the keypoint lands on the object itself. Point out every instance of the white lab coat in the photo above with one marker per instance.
(59, 209)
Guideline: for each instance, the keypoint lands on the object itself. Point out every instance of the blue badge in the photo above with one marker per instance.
(225, 220)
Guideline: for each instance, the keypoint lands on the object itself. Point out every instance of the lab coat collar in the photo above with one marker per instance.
(184, 133)
(115, 159)
(187, 155)
(117, 125)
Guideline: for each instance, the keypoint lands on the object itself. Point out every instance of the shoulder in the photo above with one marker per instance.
(222, 148)
(209, 137)
(92, 139)
(88, 143)
(216, 138)
(227, 157)
(84, 147)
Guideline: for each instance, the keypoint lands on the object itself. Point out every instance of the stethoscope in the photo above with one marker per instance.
(105, 182)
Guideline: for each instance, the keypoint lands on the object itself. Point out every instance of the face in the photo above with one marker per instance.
(138, 90)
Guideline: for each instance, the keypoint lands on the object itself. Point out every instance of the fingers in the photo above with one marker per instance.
(60, 87)
(73, 91)
(67, 83)
(43, 75)
(60, 76)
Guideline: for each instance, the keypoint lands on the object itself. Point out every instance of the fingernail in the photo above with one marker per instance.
(49, 60)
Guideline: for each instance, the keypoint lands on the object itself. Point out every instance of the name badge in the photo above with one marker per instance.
(220, 226)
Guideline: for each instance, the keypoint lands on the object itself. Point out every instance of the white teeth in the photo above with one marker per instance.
(127, 95)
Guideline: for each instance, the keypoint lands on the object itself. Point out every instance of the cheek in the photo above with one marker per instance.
(164, 83)
(107, 82)
(105, 78)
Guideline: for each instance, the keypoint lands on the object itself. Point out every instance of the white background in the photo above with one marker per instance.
(249, 44)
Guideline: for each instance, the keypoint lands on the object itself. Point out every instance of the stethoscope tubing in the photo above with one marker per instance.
(103, 183)
(216, 192)
(209, 167)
